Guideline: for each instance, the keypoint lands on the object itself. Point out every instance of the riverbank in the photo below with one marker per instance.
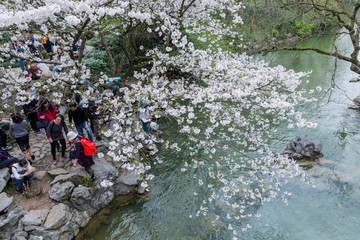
(62, 199)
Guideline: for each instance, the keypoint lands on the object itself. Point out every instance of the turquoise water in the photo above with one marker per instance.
(329, 211)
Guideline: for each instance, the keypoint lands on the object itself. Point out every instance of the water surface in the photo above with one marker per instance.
(329, 211)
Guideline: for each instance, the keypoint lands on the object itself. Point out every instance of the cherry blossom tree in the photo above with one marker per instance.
(227, 104)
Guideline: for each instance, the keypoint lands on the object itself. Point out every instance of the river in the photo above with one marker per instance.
(331, 210)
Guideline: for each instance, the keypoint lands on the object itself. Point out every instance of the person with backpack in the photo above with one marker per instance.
(80, 120)
(84, 152)
(54, 134)
(18, 127)
(22, 172)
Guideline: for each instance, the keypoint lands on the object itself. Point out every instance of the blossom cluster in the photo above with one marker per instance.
(228, 107)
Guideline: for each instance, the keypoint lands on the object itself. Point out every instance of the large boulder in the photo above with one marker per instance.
(5, 201)
(61, 191)
(9, 222)
(76, 176)
(4, 177)
(58, 171)
(301, 147)
(40, 234)
(122, 189)
(101, 198)
(81, 198)
(57, 216)
(34, 218)
(104, 170)
(128, 177)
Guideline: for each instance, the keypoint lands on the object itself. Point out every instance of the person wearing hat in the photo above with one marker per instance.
(80, 157)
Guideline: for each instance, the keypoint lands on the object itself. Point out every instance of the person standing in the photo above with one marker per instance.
(94, 113)
(80, 120)
(80, 157)
(145, 117)
(54, 134)
(48, 46)
(30, 111)
(18, 127)
(23, 49)
(46, 111)
(46, 114)
(21, 172)
(3, 139)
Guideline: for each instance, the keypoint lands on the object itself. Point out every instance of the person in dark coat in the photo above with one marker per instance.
(80, 157)
(48, 46)
(30, 111)
(3, 139)
(54, 134)
(80, 120)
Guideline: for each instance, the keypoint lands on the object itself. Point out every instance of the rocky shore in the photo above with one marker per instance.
(61, 199)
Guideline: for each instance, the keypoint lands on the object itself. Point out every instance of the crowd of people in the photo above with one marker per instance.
(44, 48)
(46, 118)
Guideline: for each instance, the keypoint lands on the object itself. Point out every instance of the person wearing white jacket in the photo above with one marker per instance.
(22, 172)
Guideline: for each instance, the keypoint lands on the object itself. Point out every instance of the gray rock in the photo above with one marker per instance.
(42, 234)
(61, 191)
(58, 171)
(20, 236)
(128, 177)
(104, 170)
(37, 154)
(57, 216)
(100, 199)
(2, 184)
(75, 176)
(5, 201)
(81, 197)
(68, 235)
(122, 189)
(39, 175)
(8, 224)
(38, 145)
(80, 218)
(61, 178)
(4, 174)
(302, 147)
(35, 149)
(35, 217)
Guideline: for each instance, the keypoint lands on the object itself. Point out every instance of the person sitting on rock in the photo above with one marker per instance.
(21, 173)
(54, 134)
(80, 157)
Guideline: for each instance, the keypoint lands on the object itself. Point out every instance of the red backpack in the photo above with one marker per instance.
(89, 147)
